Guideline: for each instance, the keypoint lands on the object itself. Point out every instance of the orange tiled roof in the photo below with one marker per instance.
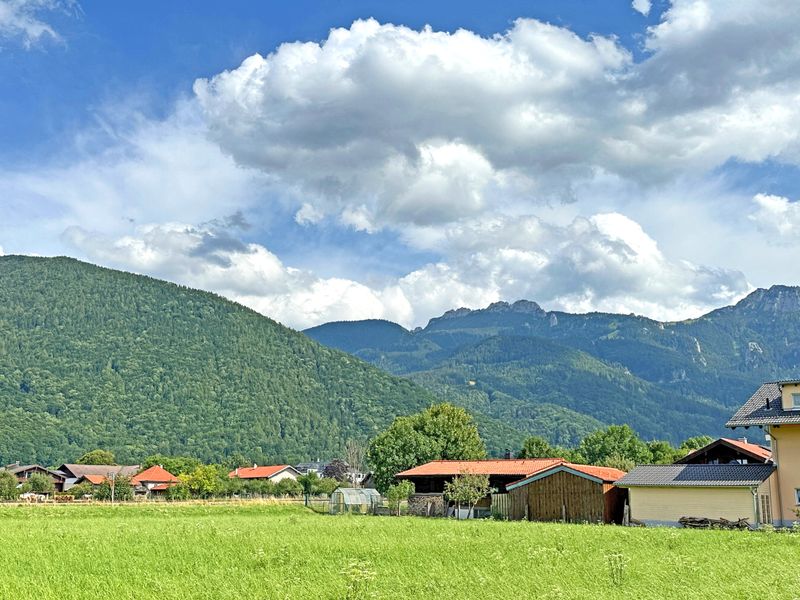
(506, 466)
(94, 479)
(155, 474)
(607, 474)
(257, 472)
(764, 453)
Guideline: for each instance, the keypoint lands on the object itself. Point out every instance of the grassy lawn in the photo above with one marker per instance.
(272, 551)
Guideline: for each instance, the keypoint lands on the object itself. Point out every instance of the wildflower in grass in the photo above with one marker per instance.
(617, 563)
(359, 575)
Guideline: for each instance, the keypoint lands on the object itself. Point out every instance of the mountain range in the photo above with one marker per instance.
(96, 358)
(91, 357)
(561, 375)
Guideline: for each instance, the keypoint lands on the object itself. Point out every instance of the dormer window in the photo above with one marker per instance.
(795, 401)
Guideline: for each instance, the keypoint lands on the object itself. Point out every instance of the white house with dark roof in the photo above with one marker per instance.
(663, 494)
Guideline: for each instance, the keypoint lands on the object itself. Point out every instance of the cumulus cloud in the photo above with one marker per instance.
(211, 257)
(642, 6)
(129, 171)
(387, 126)
(777, 217)
(20, 20)
(606, 262)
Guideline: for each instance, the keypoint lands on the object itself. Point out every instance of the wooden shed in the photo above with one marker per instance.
(570, 493)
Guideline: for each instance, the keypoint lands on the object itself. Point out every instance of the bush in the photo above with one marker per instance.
(8, 486)
(288, 487)
(41, 484)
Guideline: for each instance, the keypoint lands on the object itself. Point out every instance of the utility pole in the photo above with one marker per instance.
(112, 478)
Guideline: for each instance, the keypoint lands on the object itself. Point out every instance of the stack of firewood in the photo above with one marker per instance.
(706, 523)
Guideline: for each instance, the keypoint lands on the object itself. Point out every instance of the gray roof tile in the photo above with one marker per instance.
(697, 475)
(755, 411)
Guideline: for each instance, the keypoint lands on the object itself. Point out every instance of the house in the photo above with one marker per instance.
(504, 475)
(274, 473)
(728, 451)
(23, 472)
(568, 492)
(317, 466)
(775, 408)
(431, 477)
(154, 480)
(94, 474)
(662, 494)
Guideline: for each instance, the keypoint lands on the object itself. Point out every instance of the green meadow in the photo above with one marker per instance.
(265, 551)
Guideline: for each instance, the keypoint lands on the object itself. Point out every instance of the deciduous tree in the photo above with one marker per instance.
(97, 457)
(442, 431)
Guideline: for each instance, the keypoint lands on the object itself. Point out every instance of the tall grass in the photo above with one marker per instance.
(269, 550)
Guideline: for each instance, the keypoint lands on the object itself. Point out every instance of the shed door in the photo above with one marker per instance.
(567, 496)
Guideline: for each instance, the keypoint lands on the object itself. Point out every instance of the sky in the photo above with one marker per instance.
(322, 161)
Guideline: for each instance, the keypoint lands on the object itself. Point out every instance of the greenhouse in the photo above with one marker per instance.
(355, 500)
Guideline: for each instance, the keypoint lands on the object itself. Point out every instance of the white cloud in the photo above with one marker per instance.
(386, 126)
(211, 258)
(642, 6)
(19, 19)
(144, 171)
(777, 217)
(606, 262)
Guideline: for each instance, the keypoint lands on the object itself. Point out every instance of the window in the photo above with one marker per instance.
(796, 401)
(766, 509)
(797, 496)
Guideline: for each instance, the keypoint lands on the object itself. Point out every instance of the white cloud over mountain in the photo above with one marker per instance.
(606, 262)
(520, 162)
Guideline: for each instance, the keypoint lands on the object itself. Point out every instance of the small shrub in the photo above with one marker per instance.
(359, 576)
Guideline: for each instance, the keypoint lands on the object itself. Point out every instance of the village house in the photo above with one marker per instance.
(274, 473)
(775, 408)
(728, 451)
(153, 481)
(663, 494)
(94, 474)
(23, 472)
(570, 493)
(561, 490)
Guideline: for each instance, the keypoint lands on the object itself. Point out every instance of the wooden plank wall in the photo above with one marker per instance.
(559, 496)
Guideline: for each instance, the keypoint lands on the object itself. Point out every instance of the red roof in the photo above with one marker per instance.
(258, 472)
(506, 466)
(607, 474)
(155, 474)
(764, 453)
(94, 479)
(522, 467)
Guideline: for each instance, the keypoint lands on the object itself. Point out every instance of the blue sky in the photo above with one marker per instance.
(395, 160)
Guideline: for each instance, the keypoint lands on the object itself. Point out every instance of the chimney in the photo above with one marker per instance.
(743, 440)
(254, 465)
(507, 454)
(237, 471)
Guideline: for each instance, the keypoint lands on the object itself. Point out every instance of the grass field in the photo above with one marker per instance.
(273, 551)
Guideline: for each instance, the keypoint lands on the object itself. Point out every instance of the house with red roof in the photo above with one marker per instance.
(726, 451)
(571, 492)
(273, 473)
(154, 480)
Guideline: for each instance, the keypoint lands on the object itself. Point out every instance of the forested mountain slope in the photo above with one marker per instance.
(559, 374)
(91, 357)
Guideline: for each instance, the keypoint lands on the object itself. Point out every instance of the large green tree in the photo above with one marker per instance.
(614, 444)
(537, 447)
(442, 431)
(97, 457)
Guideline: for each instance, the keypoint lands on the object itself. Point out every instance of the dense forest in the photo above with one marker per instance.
(91, 357)
(562, 375)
